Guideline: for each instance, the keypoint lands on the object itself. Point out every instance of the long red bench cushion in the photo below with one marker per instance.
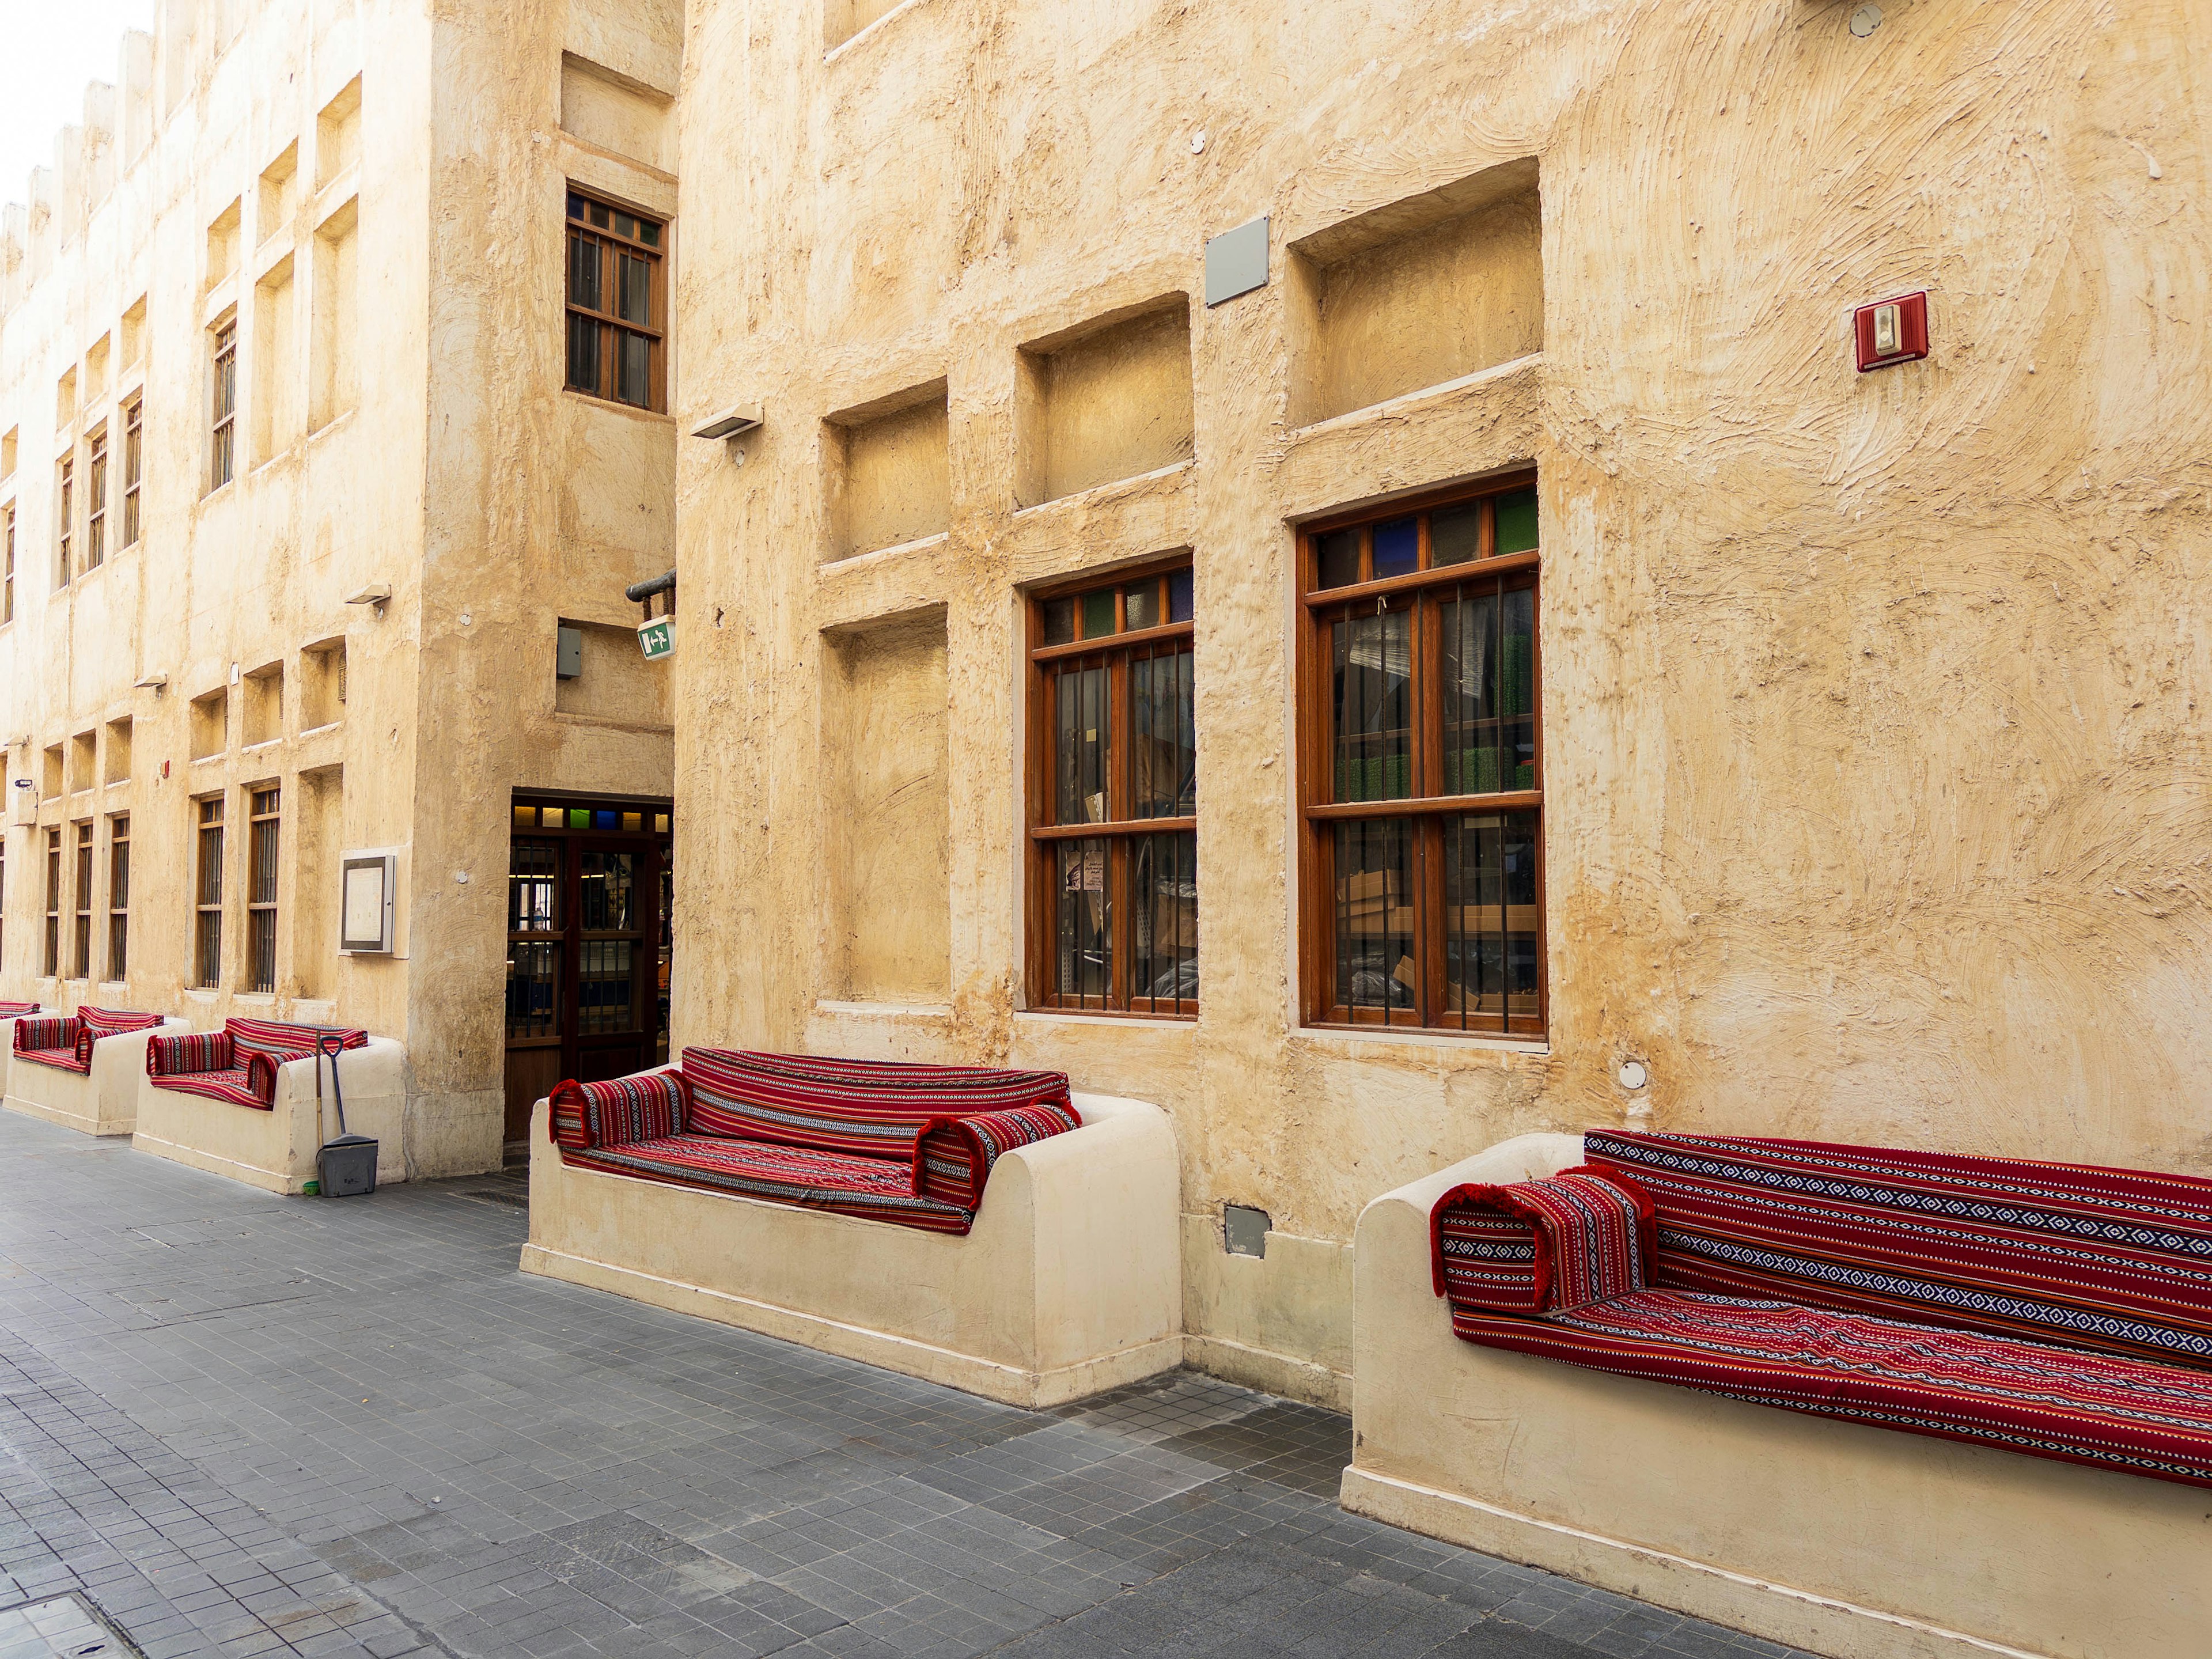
(2119, 1261)
(17, 1009)
(171, 1057)
(240, 1085)
(1562, 1242)
(869, 1107)
(94, 1023)
(875, 1188)
(2126, 1414)
(621, 1112)
(51, 1041)
(207, 1064)
(955, 1156)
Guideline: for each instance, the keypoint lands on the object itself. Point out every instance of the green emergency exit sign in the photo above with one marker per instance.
(657, 638)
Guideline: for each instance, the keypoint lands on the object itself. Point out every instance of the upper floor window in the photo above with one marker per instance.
(616, 308)
(80, 955)
(8, 581)
(207, 898)
(119, 897)
(65, 517)
(134, 466)
(95, 501)
(222, 449)
(1114, 797)
(261, 895)
(1421, 774)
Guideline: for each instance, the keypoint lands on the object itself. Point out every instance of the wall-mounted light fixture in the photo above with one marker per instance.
(376, 593)
(156, 683)
(734, 422)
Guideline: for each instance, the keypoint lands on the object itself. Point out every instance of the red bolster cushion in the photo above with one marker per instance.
(196, 1051)
(953, 1157)
(1545, 1246)
(620, 1112)
(58, 1032)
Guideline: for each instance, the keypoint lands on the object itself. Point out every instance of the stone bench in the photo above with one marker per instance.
(84, 1071)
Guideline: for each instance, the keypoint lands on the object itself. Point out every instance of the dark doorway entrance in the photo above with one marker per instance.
(588, 891)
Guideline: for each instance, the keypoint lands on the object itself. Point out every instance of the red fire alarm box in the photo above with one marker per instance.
(1891, 331)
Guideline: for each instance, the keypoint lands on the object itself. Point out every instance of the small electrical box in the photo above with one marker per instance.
(569, 652)
(1891, 331)
(1244, 1230)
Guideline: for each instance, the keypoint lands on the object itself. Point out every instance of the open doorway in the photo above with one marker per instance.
(589, 888)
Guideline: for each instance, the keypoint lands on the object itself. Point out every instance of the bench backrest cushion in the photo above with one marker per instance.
(2119, 1261)
(98, 1023)
(191, 1052)
(281, 1040)
(621, 1112)
(871, 1108)
(17, 1009)
(55, 1031)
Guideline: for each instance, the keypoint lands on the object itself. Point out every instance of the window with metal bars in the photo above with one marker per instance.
(3, 897)
(1421, 768)
(134, 466)
(223, 436)
(207, 920)
(65, 517)
(616, 311)
(52, 959)
(118, 897)
(80, 936)
(534, 937)
(261, 891)
(1113, 796)
(8, 581)
(95, 502)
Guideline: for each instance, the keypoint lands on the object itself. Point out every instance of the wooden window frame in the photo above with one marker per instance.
(53, 955)
(222, 432)
(81, 910)
(1423, 591)
(8, 581)
(95, 499)
(1120, 830)
(608, 321)
(65, 514)
(119, 897)
(134, 466)
(207, 891)
(264, 847)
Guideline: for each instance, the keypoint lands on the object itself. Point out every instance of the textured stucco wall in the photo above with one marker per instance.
(1875, 790)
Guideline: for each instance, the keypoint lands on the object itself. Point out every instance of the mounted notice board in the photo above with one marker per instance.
(367, 895)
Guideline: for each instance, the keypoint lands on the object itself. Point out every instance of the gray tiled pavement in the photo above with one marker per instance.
(244, 1425)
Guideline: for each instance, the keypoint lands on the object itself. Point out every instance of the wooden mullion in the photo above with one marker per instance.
(1166, 631)
(1433, 805)
(1480, 569)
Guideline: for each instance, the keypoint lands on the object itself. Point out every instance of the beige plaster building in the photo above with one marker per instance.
(332, 380)
(1499, 667)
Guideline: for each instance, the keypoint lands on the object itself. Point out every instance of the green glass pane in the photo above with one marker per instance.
(1098, 614)
(1516, 521)
(580, 818)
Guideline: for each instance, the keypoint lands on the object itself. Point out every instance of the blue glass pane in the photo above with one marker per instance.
(1179, 599)
(605, 820)
(1397, 548)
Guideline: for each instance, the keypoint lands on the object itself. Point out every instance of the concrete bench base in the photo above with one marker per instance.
(276, 1150)
(1069, 1284)
(103, 1101)
(1855, 1542)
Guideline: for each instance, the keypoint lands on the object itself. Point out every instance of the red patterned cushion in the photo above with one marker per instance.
(874, 1188)
(2126, 1414)
(51, 1042)
(621, 1112)
(94, 1023)
(196, 1051)
(281, 1041)
(17, 1009)
(234, 1083)
(2115, 1260)
(953, 1158)
(1586, 1238)
(871, 1107)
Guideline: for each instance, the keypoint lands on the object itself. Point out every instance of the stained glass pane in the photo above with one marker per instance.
(1397, 548)
(1140, 605)
(1059, 622)
(1454, 534)
(1516, 521)
(1339, 558)
(1179, 597)
(1098, 614)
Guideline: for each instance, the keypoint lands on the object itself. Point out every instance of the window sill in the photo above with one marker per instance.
(1093, 495)
(845, 561)
(1405, 400)
(884, 1009)
(616, 406)
(1104, 1017)
(1424, 1037)
(337, 423)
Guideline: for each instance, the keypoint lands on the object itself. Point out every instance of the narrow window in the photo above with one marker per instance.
(8, 582)
(67, 515)
(1422, 779)
(261, 897)
(535, 930)
(134, 466)
(1113, 798)
(95, 516)
(207, 937)
(225, 406)
(81, 939)
(53, 951)
(118, 897)
(615, 305)
(3, 896)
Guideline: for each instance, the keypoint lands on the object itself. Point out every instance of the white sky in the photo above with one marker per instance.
(49, 49)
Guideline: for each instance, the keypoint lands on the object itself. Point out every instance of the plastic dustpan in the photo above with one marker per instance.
(347, 1166)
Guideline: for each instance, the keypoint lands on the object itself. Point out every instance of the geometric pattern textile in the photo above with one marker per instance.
(954, 1158)
(234, 1085)
(2113, 1261)
(875, 1188)
(239, 1063)
(2131, 1415)
(1586, 1239)
(51, 1041)
(194, 1051)
(871, 1107)
(17, 1009)
(94, 1024)
(622, 1112)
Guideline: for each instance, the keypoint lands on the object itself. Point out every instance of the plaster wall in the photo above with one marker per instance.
(372, 189)
(1875, 780)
